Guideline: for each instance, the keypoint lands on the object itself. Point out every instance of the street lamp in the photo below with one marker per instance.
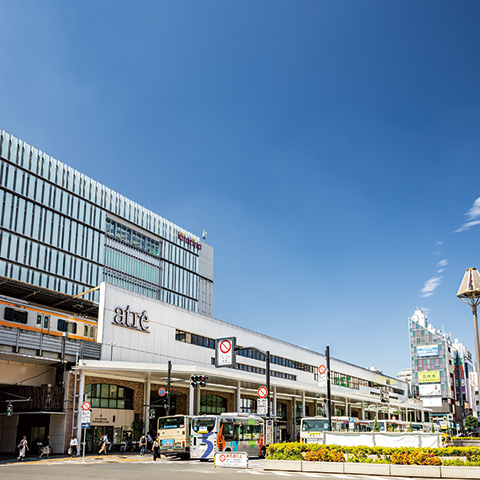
(469, 292)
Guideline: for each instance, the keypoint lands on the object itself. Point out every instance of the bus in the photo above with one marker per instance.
(228, 432)
(173, 434)
(311, 428)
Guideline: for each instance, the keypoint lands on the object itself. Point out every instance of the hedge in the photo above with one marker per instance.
(405, 456)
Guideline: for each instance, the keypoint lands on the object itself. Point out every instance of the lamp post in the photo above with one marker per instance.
(469, 292)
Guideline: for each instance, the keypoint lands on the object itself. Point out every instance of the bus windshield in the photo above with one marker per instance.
(171, 422)
(203, 424)
(314, 425)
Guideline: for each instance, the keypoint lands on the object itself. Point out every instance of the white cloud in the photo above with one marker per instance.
(473, 217)
(430, 286)
(439, 243)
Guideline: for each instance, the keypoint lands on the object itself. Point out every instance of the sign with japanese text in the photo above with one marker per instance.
(427, 350)
(227, 459)
(225, 352)
(429, 377)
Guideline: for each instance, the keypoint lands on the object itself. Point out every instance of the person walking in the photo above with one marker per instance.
(73, 445)
(46, 446)
(22, 448)
(156, 449)
(143, 444)
(105, 443)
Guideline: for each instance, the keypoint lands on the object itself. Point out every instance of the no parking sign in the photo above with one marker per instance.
(225, 352)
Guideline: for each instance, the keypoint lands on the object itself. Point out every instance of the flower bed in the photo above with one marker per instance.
(451, 456)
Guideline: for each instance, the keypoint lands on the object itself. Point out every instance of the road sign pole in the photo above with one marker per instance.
(329, 393)
(168, 386)
(267, 360)
(84, 436)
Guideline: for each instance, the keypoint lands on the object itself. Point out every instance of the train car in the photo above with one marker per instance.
(16, 313)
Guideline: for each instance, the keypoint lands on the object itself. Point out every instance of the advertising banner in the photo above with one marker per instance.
(430, 390)
(429, 377)
(427, 350)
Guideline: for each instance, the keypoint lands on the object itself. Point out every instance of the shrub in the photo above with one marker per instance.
(415, 458)
(324, 455)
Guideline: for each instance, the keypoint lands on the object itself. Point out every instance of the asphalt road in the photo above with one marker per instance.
(133, 467)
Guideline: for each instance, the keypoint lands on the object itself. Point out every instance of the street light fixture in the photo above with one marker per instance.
(469, 292)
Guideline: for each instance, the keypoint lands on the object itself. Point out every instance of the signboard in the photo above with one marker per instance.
(225, 352)
(269, 432)
(427, 350)
(430, 390)
(227, 459)
(161, 392)
(262, 406)
(86, 406)
(429, 377)
(322, 369)
(351, 423)
(262, 392)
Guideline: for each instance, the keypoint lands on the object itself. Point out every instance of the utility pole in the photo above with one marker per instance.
(169, 376)
(329, 393)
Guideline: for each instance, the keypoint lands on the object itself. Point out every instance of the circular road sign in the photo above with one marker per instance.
(225, 346)
(161, 392)
(86, 406)
(262, 392)
(322, 369)
(222, 457)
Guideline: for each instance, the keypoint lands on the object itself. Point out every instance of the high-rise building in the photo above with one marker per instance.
(442, 371)
(61, 230)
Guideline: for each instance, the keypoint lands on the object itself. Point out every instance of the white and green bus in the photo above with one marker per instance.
(174, 435)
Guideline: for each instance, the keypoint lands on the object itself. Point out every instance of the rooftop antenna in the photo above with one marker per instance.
(204, 235)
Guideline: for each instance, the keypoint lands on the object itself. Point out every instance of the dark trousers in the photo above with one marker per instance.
(155, 454)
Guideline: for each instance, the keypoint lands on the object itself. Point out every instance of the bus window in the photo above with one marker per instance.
(203, 424)
(229, 432)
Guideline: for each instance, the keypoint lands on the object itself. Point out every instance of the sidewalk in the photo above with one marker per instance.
(89, 457)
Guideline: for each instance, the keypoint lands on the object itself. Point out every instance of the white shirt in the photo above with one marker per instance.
(74, 442)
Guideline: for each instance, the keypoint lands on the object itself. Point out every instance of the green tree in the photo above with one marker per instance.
(137, 426)
(471, 423)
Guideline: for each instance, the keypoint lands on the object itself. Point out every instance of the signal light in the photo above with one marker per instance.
(198, 380)
(9, 410)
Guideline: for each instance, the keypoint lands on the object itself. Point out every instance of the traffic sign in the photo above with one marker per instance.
(225, 352)
(322, 369)
(161, 392)
(262, 406)
(262, 392)
(86, 406)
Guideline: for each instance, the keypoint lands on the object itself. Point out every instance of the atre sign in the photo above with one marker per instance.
(126, 318)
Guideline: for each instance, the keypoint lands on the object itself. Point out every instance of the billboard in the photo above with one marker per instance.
(429, 377)
(430, 390)
(427, 350)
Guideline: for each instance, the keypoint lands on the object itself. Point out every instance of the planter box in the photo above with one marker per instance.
(283, 465)
(323, 467)
(460, 472)
(422, 471)
(367, 468)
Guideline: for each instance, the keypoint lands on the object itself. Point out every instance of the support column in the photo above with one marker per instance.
(423, 415)
(191, 398)
(238, 399)
(315, 406)
(274, 402)
(347, 407)
(81, 393)
(198, 400)
(362, 408)
(303, 405)
(146, 401)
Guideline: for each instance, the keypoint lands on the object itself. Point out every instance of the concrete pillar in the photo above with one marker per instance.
(274, 409)
(146, 401)
(81, 393)
(303, 405)
(191, 397)
(238, 399)
(423, 415)
(362, 408)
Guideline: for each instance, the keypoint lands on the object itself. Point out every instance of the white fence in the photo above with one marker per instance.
(379, 439)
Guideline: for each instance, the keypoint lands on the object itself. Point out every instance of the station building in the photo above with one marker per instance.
(99, 295)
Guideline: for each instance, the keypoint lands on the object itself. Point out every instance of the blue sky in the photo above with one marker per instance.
(330, 149)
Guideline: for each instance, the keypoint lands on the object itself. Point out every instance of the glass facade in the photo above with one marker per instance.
(61, 230)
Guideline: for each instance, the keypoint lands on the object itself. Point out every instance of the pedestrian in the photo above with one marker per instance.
(73, 445)
(46, 446)
(143, 444)
(105, 443)
(22, 447)
(288, 437)
(156, 449)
